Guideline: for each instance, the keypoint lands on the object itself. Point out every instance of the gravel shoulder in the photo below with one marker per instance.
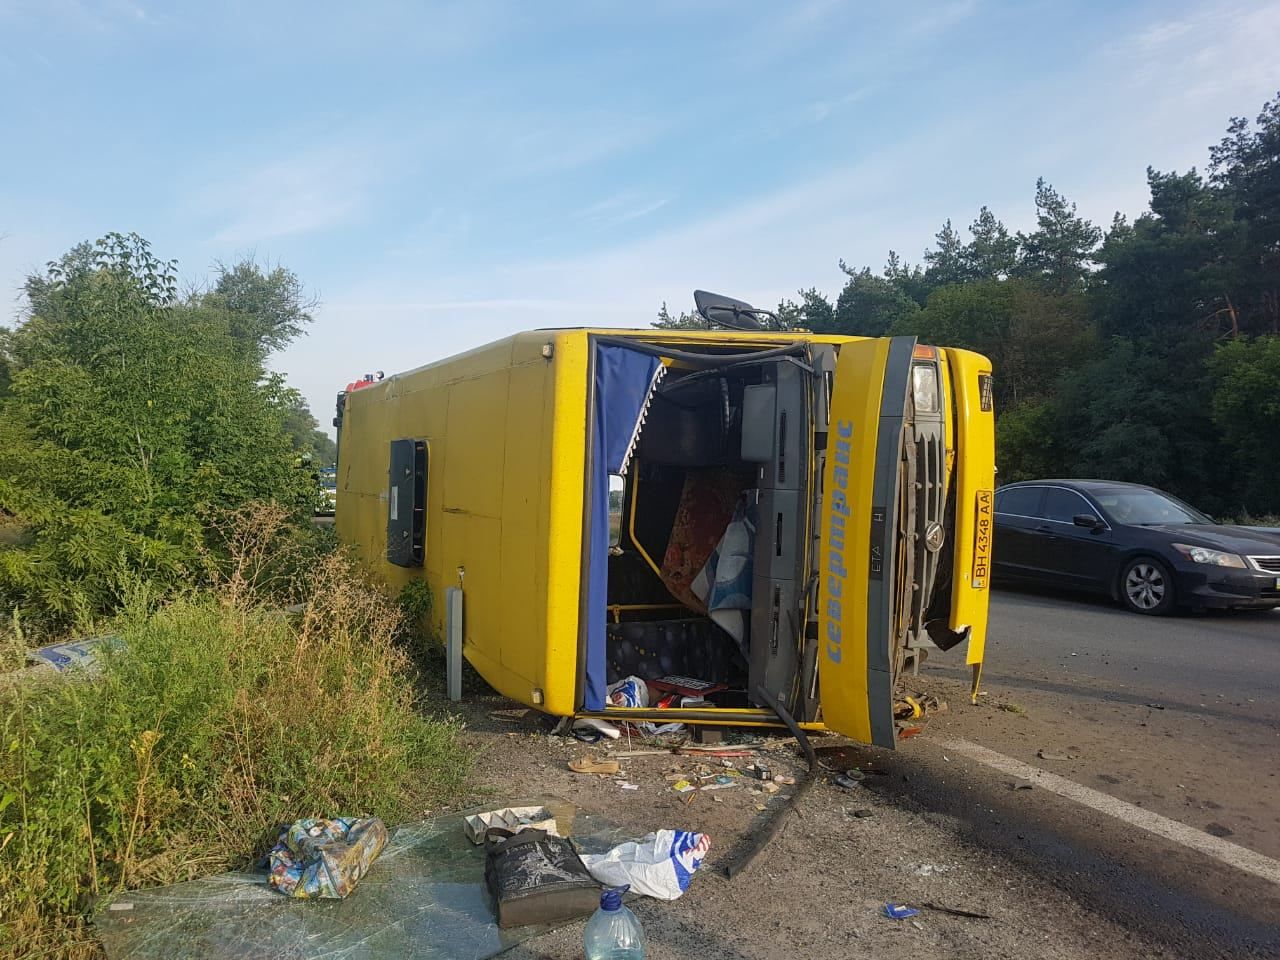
(819, 888)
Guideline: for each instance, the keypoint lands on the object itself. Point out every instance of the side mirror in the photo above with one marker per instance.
(1087, 520)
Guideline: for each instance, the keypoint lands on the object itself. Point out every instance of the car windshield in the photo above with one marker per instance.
(1144, 508)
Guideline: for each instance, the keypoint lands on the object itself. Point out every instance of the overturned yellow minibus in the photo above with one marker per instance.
(769, 526)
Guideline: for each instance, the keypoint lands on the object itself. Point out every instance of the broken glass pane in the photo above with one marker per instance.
(424, 898)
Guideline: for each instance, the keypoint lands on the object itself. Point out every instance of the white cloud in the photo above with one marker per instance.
(75, 15)
(1211, 51)
(295, 194)
(1092, 133)
(537, 146)
(621, 208)
(943, 15)
(820, 110)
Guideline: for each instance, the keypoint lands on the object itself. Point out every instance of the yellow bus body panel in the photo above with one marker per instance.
(503, 502)
(844, 558)
(507, 431)
(975, 485)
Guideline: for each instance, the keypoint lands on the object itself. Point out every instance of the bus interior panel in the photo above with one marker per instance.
(706, 577)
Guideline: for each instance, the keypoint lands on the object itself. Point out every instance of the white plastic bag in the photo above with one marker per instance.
(634, 692)
(659, 865)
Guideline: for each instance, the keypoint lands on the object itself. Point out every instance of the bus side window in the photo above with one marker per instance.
(407, 502)
(617, 493)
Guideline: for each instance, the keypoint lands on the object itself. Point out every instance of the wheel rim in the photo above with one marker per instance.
(1144, 586)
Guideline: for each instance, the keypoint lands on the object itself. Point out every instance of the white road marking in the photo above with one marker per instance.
(1225, 851)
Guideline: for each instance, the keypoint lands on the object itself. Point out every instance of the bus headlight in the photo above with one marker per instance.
(924, 387)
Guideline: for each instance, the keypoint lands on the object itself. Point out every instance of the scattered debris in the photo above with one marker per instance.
(1044, 754)
(659, 865)
(1218, 830)
(509, 716)
(685, 786)
(898, 911)
(846, 781)
(509, 818)
(536, 878)
(751, 746)
(1160, 706)
(929, 869)
(633, 692)
(784, 780)
(1012, 708)
(1020, 785)
(906, 732)
(427, 888)
(591, 765)
(863, 813)
(76, 654)
(956, 912)
(600, 726)
(325, 859)
(908, 707)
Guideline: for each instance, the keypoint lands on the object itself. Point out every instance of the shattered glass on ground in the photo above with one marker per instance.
(424, 899)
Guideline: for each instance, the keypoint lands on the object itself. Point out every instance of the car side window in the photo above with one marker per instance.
(1019, 501)
(1064, 505)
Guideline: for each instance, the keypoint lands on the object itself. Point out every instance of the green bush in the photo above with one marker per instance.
(215, 720)
(132, 418)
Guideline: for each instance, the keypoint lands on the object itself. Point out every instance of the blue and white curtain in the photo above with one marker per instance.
(624, 383)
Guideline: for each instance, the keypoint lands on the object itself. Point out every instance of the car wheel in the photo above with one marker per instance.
(1146, 586)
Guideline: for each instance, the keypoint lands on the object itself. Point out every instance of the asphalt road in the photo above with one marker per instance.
(1177, 717)
(1091, 649)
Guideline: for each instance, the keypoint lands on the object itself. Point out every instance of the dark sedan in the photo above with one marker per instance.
(1139, 545)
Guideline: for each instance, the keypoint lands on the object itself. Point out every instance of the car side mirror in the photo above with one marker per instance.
(1087, 520)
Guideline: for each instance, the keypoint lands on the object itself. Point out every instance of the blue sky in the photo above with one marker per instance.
(442, 174)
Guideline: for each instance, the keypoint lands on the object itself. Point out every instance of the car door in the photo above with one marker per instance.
(1076, 556)
(1017, 517)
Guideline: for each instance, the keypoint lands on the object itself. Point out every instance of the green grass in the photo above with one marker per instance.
(217, 720)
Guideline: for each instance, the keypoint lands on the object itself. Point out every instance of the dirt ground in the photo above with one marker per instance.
(820, 886)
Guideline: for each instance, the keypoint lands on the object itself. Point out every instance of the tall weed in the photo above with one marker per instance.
(217, 719)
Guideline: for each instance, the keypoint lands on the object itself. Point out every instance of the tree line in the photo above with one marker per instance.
(1147, 352)
(134, 417)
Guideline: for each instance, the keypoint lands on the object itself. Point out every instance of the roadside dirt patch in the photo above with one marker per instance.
(819, 889)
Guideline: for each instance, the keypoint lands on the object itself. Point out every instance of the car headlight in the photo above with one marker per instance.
(1214, 558)
(924, 386)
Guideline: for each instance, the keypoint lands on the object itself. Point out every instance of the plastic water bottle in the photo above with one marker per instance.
(613, 932)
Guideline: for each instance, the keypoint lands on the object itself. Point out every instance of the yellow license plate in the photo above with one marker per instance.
(982, 533)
